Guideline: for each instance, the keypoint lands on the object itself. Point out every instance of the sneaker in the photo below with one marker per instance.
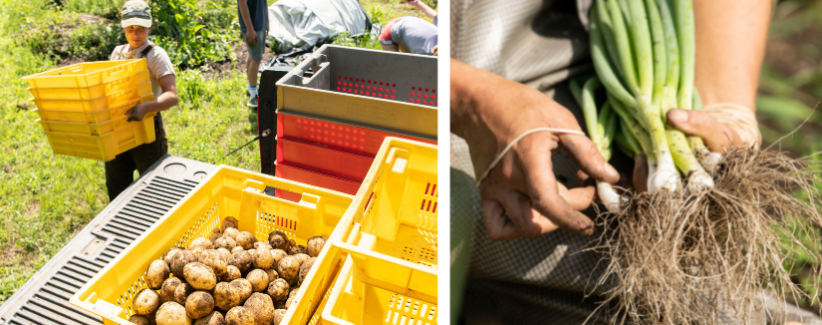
(252, 102)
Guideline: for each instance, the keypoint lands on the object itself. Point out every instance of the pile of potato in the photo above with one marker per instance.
(229, 278)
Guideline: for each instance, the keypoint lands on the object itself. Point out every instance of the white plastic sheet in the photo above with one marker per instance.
(300, 24)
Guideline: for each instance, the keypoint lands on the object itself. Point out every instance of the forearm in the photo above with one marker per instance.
(465, 93)
(428, 11)
(730, 45)
(243, 5)
(165, 101)
(485, 108)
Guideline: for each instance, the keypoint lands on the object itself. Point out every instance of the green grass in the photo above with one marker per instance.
(45, 199)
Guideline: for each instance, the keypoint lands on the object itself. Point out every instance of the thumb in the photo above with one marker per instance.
(699, 123)
(588, 157)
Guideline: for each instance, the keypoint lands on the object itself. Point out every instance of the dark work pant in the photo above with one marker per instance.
(120, 171)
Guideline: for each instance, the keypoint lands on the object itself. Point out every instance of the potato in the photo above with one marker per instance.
(172, 313)
(168, 288)
(224, 253)
(262, 307)
(302, 257)
(288, 269)
(242, 260)
(279, 314)
(315, 245)
(288, 302)
(278, 239)
(305, 267)
(231, 273)
(182, 292)
(213, 239)
(293, 292)
(229, 222)
(263, 258)
(225, 242)
(200, 242)
(239, 316)
(278, 289)
(231, 232)
(139, 320)
(169, 255)
(214, 260)
(278, 255)
(200, 276)
(251, 252)
(145, 302)
(156, 273)
(179, 261)
(298, 249)
(243, 286)
(214, 318)
(246, 240)
(225, 296)
(198, 251)
(259, 280)
(199, 304)
(265, 244)
(291, 243)
(237, 249)
(272, 274)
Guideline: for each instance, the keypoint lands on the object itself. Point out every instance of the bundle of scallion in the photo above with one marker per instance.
(699, 253)
(644, 54)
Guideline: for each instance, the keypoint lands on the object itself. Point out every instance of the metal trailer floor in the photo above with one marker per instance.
(44, 298)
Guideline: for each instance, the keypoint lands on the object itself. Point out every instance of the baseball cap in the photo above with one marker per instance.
(136, 13)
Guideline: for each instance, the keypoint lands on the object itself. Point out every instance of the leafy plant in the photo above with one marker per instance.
(102, 8)
(181, 31)
(71, 36)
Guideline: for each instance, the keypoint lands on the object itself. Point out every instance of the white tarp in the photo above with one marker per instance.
(300, 24)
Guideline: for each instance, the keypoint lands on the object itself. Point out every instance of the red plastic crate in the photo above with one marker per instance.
(335, 135)
(311, 177)
(324, 159)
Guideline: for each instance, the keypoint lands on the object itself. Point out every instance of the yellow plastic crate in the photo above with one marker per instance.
(98, 116)
(227, 192)
(89, 128)
(84, 75)
(396, 208)
(354, 302)
(103, 147)
(96, 104)
(310, 303)
(93, 91)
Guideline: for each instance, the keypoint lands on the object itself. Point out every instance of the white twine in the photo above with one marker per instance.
(510, 145)
(738, 117)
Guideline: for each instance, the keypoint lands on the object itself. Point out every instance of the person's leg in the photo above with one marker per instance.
(147, 154)
(119, 174)
(255, 57)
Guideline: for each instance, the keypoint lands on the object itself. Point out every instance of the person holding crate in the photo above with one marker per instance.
(136, 22)
(411, 34)
(254, 25)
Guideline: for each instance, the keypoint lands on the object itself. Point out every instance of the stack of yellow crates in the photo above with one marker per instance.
(82, 107)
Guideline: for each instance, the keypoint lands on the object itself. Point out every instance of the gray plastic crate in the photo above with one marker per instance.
(390, 91)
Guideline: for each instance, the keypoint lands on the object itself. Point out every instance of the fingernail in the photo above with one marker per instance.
(611, 170)
(678, 116)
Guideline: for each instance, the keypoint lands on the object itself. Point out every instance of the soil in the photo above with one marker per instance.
(227, 67)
